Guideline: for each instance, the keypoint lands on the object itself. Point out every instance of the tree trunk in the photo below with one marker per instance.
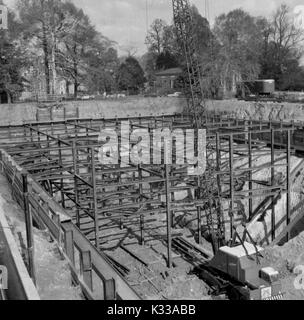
(76, 84)
(75, 88)
(46, 58)
(53, 64)
(67, 88)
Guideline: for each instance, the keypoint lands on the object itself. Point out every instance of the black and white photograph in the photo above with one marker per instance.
(151, 153)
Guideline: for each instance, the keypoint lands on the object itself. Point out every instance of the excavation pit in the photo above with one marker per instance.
(151, 223)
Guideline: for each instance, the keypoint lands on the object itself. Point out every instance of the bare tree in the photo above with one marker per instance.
(285, 35)
(155, 37)
(131, 49)
(45, 23)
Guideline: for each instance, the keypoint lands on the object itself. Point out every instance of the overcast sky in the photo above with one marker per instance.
(125, 21)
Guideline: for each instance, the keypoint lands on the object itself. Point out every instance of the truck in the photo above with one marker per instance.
(238, 272)
(256, 89)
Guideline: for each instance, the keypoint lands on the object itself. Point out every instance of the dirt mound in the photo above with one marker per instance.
(285, 259)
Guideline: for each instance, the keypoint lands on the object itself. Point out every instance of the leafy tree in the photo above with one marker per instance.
(131, 76)
(166, 60)
(44, 24)
(156, 36)
(77, 46)
(70, 45)
(202, 33)
(240, 42)
(148, 61)
(12, 59)
(103, 66)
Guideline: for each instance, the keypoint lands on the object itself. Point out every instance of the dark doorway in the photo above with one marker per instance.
(3, 97)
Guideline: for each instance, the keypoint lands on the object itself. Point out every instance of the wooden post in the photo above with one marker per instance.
(86, 268)
(69, 245)
(29, 229)
(109, 290)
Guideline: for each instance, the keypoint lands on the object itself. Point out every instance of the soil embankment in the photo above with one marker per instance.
(16, 114)
(267, 111)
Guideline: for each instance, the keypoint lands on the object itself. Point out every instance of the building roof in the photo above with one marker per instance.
(239, 251)
(170, 72)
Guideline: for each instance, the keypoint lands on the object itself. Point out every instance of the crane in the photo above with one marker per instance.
(193, 82)
(193, 88)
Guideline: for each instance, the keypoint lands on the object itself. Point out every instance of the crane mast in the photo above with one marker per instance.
(208, 190)
(193, 82)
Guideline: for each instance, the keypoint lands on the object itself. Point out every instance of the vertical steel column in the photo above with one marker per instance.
(142, 218)
(76, 131)
(95, 204)
(118, 132)
(75, 168)
(250, 163)
(218, 177)
(288, 202)
(231, 151)
(281, 135)
(31, 133)
(29, 229)
(169, 217)
(25, 133)
(51, 114)
(199, 224)
(61, 180)
(273, 218)
(38, 128)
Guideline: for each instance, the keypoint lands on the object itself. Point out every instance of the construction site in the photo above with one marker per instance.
(228, 227)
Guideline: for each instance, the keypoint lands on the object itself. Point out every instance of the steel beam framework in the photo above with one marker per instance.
(109, 203)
